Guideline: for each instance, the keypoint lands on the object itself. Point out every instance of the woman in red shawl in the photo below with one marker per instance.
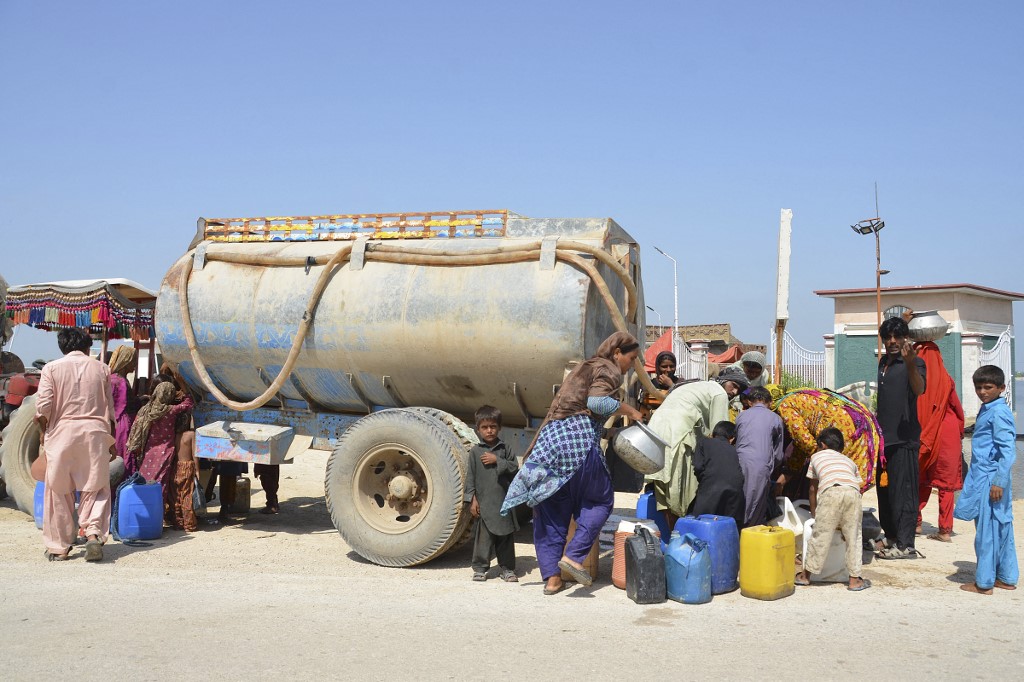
(942, 431)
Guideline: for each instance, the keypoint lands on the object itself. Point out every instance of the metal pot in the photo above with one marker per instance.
(928, 325)
(640, 448)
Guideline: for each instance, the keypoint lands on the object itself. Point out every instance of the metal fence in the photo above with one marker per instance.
(797, 361)
(692, 364)
(1000, 356)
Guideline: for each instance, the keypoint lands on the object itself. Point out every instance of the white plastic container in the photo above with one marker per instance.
(834, 570)
(793, 517)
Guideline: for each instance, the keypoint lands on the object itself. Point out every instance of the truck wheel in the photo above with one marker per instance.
(19, 449)
(467, 436)
(394, 487)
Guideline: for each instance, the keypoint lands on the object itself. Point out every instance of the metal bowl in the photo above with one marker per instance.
(928, 325)
(640, 448)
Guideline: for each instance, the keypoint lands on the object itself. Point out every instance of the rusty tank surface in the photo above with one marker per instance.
(378, 336)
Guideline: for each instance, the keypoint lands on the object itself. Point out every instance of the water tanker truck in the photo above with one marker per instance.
(376, 337)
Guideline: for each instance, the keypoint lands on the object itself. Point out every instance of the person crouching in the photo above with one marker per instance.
(836, 505)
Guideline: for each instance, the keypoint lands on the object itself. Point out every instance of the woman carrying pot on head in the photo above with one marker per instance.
(564, 476)
(689, 413)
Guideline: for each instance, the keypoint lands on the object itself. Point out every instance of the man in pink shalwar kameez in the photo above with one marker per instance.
(75, 412)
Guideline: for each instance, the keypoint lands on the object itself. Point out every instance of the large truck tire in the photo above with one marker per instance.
(19, 449)
(394, 487)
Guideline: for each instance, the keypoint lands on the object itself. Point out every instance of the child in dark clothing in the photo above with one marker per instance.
(719, 478)
(492, 465)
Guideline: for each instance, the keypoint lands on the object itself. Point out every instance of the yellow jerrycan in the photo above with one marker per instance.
(767, 562)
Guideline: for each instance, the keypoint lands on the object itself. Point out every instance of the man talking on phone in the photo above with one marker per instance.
(901, 378)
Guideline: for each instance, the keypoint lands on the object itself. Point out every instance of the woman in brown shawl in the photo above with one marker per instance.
(153, 439)
(564, 475)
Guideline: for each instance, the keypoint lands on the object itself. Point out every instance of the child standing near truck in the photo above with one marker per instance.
(987, 498)
(492, 465)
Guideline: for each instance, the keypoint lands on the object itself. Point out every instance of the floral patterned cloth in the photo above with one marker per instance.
(807, 411)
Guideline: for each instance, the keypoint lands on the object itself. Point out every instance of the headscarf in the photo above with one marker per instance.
(661, 356)
(159, 405)
(598, 376)
(754, 356)
(735, 376)
(122, 358)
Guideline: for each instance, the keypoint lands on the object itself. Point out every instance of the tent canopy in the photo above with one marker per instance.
(115, 308)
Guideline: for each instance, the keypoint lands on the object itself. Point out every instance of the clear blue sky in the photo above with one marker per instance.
(690, 123)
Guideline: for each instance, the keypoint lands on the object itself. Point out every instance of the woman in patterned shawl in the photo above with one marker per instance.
(564, 475)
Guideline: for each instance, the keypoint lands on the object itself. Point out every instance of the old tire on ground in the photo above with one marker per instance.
(394, 487)
(19, 449)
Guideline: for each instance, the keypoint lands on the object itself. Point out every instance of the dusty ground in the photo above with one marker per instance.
(282, 597)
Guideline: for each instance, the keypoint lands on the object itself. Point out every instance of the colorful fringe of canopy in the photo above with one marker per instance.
(808, 411)
(50, 310)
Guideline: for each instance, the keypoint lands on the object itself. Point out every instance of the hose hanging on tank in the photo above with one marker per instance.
(566, 251)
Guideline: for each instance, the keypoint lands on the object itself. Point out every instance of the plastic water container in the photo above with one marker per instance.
(688, 569)
(645, 568)
(834, 570)
(794, 516)
(243, 496)
(723, 540)
(767, 562)
(38, 501)
(647, 508)
(140, 512)
(37, 504)
(627, 527)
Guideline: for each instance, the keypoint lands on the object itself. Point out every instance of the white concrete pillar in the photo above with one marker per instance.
(970, 360)
(699, 354)
(830, 362)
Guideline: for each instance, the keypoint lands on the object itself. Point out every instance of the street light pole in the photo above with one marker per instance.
(675, 297)
(660, 325)
(868, 226)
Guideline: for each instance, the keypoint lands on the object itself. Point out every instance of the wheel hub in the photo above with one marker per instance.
(391, 489)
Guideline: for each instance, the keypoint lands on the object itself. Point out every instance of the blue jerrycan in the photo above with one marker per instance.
(647, 508)
(688, 569)
(140, 511)
(723, 540)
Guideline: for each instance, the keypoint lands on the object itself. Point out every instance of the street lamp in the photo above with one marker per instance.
(660, 325)
(675, 297)
(874, 226)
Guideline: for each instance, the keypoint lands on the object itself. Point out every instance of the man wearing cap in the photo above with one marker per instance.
(689, 412)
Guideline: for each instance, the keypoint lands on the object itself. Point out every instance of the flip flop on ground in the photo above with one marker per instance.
(864, 584)
(580, 575)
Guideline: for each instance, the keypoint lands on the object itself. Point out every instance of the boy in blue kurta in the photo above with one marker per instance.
(987, 498)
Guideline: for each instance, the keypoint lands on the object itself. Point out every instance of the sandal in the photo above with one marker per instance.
(56, 557)
(270, 509)
(897, 553)
(554, 590)
(509, 576)
(864, 584)
(801, 582)
(479, 576)
(93, 550)
(973, 588)
(578, 574)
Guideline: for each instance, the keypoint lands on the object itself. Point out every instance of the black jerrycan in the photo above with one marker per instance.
(645, 568)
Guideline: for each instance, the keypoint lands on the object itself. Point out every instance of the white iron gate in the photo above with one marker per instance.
(1000, 356)
(692, 364)
(798, 361)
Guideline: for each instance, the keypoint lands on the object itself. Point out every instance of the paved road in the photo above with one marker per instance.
(282, 597)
